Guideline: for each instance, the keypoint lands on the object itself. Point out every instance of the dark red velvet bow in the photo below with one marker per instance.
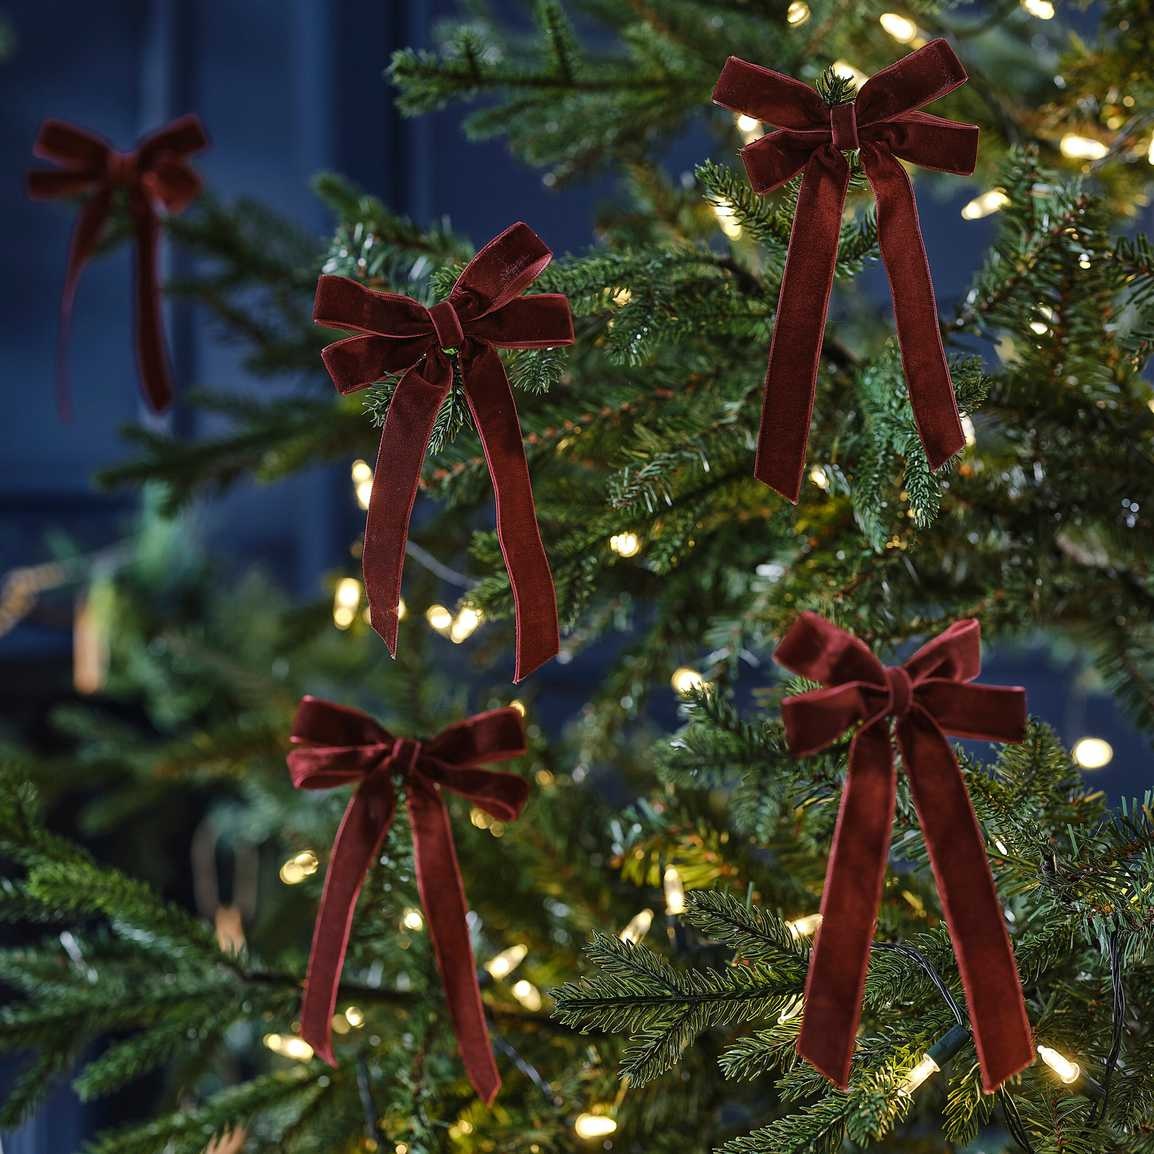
(883, 124)
(928, 696)
(397, 334)
(337, 746)
(155, 173)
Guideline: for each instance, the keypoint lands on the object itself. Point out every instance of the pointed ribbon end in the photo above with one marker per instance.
(385, 623)
(487, 1084)
(835, 1067)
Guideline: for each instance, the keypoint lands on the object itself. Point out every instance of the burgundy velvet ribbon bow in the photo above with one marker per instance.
(928, 696)
(397, 334)
(337, 746)
(883, 124)
(155, 173)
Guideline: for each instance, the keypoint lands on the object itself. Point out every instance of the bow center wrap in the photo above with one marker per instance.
(156, 171)
(937, 680)
(885, 124)
(404, 757)
(122, 169)
(397, 335)
(334, 745)
(447, 325)
(901, 690)
(843, 125)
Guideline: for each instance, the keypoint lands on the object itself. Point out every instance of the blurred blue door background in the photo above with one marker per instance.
(285, 88)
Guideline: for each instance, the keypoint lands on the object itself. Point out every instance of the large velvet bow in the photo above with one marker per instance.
(155, 173)
(398, 335)
(335, 746)
(928, 696)
(884, 125)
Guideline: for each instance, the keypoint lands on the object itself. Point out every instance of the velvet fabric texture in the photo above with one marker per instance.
(884, 125)
(398, 335)
(335, 746)
(156, 173)
(928, 697)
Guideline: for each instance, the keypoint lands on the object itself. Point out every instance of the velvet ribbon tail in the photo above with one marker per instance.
(915, 309)
(495, 416)
(973, 913)
(396, 478)
(357, 844)
(802, 305)
(151, 352)
(85, 236)
(443, 900)
(850, 900)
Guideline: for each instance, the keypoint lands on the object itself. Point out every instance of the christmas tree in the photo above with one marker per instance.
(644, 930)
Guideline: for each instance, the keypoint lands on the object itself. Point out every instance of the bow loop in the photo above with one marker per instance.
(335, 745)
(818, 649)
(398, 335)
(502, 270)
(926, 75)
(883, 124)
(937, 681)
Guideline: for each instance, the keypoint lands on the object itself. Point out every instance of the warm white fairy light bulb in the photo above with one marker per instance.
(528, 995)
(362, 475)
(638, 927)
(797, 13)
(901, 28)
(298, 867)
(1092, 753)
(1040, 9)
(503, 964)
(804, 927)
(625, 544)
(594, 1125)
(747, 123)
(1068, 1072)
(674, 889)
(847, 69)
(727, 219)
(288, 1046)
(465, 624)
(985, 204)
(439, 618)
(346, 600)
(685, 680)
(1076, 147)
(412, 919)
(923, 1071)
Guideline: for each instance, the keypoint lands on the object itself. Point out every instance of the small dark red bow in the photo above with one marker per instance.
(397, 334)
(156, 172)
(928, 696)
(883, 124)
(338, 746)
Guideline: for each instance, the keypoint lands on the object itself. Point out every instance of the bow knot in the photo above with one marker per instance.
(901, 690)
(122, 168)
(334, 745)
(843, 125)
(405, 756)
(397, 335)
(155, 172)
(938, 677)
(447, 325)
(885, 123)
